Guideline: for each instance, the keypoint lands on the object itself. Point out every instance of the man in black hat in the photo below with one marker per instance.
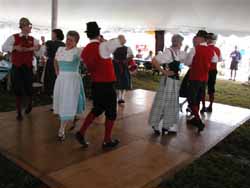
(211, 40)
(96, 57)
(199, 66)
(21, 46)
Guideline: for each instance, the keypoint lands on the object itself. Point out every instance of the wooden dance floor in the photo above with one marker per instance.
(141, 160)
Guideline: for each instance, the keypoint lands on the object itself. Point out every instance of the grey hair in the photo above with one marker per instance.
(177, 38)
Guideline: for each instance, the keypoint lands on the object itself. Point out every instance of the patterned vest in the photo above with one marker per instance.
(23, 58)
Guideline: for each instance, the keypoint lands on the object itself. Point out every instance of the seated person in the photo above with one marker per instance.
(149, 57)
(139, 54)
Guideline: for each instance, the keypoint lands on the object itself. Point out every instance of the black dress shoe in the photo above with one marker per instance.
(203, 110)
(192, 121)
(81, 140)
(201, 126)
(156, 132)
(121, 101)
(28, 109)
(209, 109)
(19, 117)
(197, 123)
(110, 144)
(164, 131)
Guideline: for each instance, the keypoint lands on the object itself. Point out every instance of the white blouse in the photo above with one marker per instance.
(108, 47)
(166, 57)
(67, 55)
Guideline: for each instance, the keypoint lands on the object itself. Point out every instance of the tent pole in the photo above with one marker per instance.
(54, 13)
(159, 40)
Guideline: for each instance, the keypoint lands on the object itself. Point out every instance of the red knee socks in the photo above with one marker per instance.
(195, 111)
(89, 119)
(108, 130)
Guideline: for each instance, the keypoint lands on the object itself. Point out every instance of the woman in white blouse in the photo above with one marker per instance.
(165, 107)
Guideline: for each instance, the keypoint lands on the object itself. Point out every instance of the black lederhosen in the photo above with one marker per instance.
(21, 79)
(104, 99)
(211, 81)
(196, 91)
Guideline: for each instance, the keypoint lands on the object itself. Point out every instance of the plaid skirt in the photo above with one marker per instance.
(166, 104)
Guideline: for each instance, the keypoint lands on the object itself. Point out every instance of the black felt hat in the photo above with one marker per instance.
(93, 28)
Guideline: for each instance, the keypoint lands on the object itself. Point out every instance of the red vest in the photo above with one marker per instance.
(23, 58)
(213, 66)
(101, 70)
(201, 63)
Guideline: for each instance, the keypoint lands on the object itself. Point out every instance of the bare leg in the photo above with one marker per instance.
(235, 74)
(61, 132)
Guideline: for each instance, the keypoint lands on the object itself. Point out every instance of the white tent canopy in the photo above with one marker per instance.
(220, 16)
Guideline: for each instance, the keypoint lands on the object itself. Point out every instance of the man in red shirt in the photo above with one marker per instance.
(198, 76)
(21, 46)
(96, 57)
(211, 40)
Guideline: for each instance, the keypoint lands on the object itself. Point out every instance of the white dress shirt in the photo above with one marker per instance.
(215, 58)
(166, 57)
(9, 43)
(108, 47)
(189, 58)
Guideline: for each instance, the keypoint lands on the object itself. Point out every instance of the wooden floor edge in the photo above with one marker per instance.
(49, 183)
(242, 122)
(157, 181)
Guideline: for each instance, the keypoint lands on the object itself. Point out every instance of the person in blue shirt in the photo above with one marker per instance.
(236, 57)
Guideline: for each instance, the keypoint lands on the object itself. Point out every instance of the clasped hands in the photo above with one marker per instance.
(20, 48)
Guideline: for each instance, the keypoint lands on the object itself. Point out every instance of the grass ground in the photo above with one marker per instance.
(227, 92)
(11, 176)
(225, 166)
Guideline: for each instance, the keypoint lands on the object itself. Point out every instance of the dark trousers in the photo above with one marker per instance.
(196, 91)
(49, 78)
(104, 99)
(211, 81)
(21, 79)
